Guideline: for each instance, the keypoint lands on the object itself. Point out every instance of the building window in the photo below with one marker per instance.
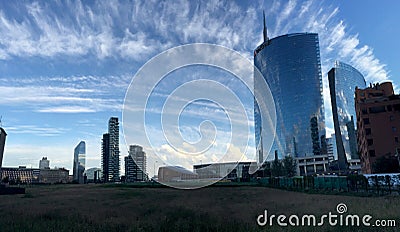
(366, 121)
(394, 129)
(367, 131)
(391, 118)
(377, 109)
(396, 139)
(364, 111)
(372, 153)
(370, 142)
(389, 108)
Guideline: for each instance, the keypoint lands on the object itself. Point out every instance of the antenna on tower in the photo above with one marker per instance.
(265, 29)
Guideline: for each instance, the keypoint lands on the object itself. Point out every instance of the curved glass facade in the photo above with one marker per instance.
(343, 79)
(291, 66)
(79, 162)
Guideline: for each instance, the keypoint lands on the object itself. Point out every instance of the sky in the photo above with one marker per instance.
(66, 66)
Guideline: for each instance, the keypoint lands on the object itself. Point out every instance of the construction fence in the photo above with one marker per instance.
(378, 184)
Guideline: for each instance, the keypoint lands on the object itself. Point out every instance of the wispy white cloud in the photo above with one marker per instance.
(44, 33)
(139, 29)
(132, 30)
(75, 94)
(67, 109)
(36, 130)
(56, 99)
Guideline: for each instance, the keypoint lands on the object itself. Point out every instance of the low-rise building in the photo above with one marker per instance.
(52, 176)
(93, 174)
(229, 170)
(175, 174)
(23, 175)
(354, 166)
(378, 123)
(312, 165)
(20, 175)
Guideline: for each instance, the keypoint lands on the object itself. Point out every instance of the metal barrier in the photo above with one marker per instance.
(376, 184)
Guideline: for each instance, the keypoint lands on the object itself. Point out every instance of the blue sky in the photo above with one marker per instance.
(65, 66)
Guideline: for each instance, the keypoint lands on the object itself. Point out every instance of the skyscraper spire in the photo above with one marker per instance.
(265, 29)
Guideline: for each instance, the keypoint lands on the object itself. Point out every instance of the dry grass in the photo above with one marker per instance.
(110, 208)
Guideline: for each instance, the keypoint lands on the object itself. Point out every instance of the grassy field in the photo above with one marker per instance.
(123, 208)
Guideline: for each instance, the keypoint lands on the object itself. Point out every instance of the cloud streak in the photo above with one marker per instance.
(137, 30)
(37, 130)
(75, 94)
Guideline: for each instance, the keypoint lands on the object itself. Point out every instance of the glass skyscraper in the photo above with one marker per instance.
(343, 79)
(79, 162)
(3, 136)
(110, 151)
(290, 64)
(135, 164)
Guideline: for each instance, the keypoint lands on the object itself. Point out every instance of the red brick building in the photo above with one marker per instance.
(378, 123)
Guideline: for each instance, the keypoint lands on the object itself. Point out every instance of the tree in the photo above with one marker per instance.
(18, 181)
(266, 169)
(289, 166)
(276, 167)
(386, 165)
(5, 179)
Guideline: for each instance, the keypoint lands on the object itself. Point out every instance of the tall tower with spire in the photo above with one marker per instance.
(290, 65)
(265, 29)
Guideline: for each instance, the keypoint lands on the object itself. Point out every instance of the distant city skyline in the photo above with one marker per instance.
(69, 73)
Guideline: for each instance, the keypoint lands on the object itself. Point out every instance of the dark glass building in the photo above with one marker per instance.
(290, 64)
(3, 136)
(105, 157)
(343, 80)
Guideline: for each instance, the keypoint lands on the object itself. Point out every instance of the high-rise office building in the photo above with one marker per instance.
(331, 147)
(105, 157)
(44, 163)
(343, 80)
(3, 135)
(378, 128)
(135, 164)
(92, 174)
(79, 162)
(110, 151)
(290, 64)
